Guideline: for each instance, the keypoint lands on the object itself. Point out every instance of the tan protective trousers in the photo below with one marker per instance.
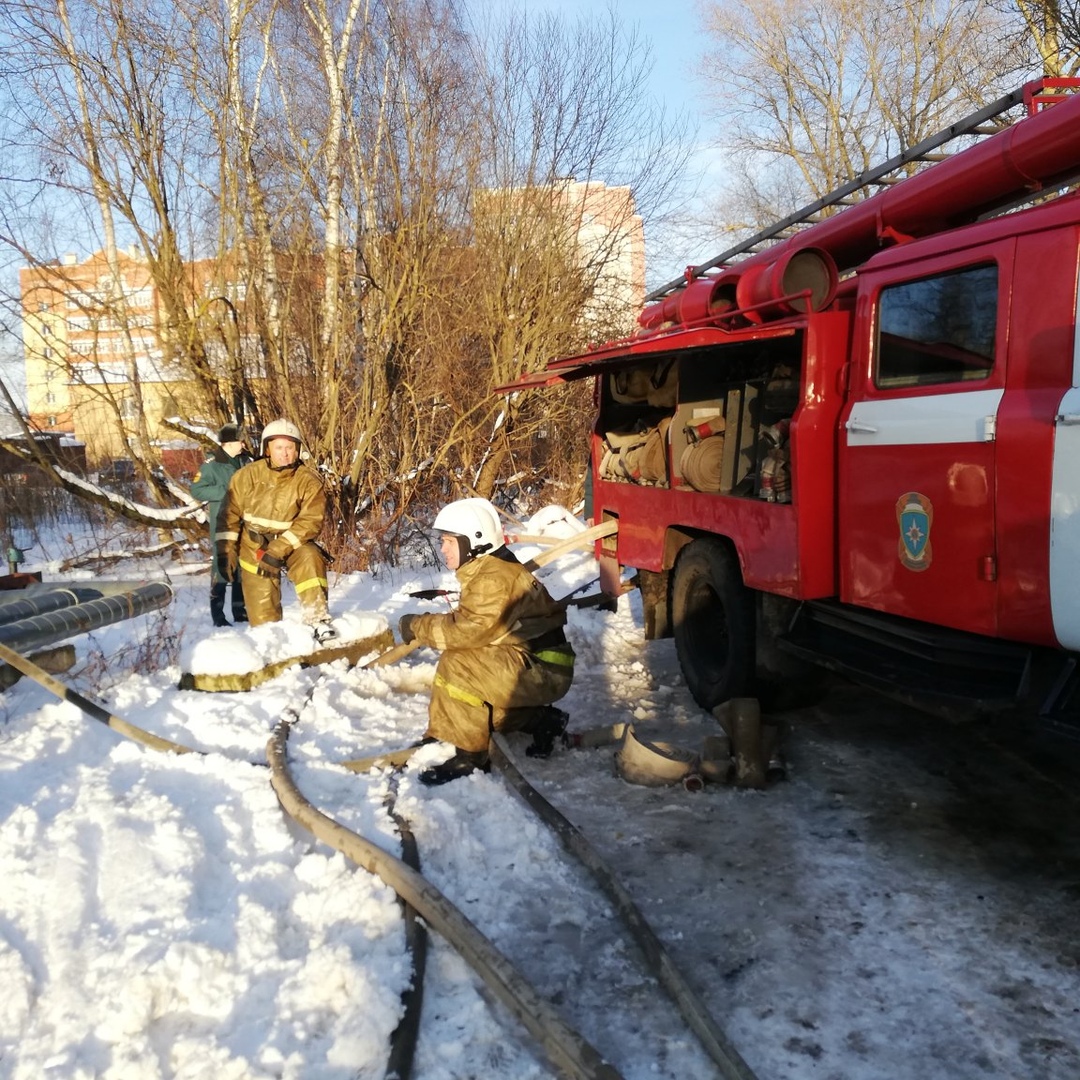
(490, 688)
(306, 569)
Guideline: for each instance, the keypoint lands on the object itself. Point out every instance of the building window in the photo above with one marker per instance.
(43, 305)
(50, 421)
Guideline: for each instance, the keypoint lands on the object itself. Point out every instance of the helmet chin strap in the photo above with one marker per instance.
(466, 551)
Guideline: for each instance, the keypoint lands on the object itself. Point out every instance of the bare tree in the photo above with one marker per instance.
(1053, 26)
(101, 102)
(572, 153)
(810, 94)
(362, 215)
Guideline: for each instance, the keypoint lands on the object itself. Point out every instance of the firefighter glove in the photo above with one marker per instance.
(269, 565)
(405, 629)
(279, 549)
(227, 560)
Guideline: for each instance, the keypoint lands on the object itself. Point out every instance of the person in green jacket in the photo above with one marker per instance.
(210, 484)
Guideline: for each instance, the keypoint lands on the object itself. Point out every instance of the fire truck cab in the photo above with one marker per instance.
(854, 440)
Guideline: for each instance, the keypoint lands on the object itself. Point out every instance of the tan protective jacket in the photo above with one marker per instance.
(501, 654)
(501, 604)
(279, 511)
(290, 503)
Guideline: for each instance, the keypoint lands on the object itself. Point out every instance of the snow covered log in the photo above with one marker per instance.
(237, 658)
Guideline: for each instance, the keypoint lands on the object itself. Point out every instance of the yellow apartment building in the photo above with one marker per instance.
(95, 351)
(89, 337)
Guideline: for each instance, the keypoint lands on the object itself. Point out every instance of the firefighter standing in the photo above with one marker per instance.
(505, 657)
(272, 513)
(210, 484)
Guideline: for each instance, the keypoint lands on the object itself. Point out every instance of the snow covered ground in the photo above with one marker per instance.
(900, 907)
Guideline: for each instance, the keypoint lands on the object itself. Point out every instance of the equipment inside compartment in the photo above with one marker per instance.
(715, 420)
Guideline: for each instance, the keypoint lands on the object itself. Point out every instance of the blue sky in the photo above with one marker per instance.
(672, 30)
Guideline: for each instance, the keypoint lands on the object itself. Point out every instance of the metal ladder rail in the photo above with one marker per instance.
(807, 215)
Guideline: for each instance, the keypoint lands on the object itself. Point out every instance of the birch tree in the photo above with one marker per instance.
(364, 216)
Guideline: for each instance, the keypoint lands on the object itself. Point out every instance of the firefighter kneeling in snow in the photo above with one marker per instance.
(505, 657)
(273, 511)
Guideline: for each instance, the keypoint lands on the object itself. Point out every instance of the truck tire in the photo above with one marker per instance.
(712, 615)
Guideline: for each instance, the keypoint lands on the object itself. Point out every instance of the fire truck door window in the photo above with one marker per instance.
(938, 329)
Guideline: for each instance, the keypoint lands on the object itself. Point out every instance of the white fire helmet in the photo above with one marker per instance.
(278, 428)
(476, 520)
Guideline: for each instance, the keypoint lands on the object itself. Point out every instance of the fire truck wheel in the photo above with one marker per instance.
(712, 615)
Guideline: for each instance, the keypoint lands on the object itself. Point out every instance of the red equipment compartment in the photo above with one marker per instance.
(786, 548)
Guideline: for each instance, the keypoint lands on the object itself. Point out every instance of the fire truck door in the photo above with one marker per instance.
(1065, 521)
(917, 484)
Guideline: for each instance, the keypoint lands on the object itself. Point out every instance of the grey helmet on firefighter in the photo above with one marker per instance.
(278, 428)
(475, 522)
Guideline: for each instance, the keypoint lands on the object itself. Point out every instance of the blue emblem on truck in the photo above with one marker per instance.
(914, 516)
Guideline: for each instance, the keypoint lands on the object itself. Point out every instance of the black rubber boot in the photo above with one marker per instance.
(217, 604)
(239, 611)
(549, 725)
(461, 764)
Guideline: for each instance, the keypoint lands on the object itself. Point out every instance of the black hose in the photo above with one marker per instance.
(567, 1050)
(688, 1003)
(403, 1039)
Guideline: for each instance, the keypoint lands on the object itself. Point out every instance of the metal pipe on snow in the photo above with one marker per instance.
(50, 600)
(87, 589)
(39, 630)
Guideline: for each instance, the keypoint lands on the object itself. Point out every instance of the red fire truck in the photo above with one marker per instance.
(854, 439)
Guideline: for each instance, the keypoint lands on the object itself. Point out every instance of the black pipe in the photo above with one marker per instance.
(51, 600)
(89, 589)
(36, 631)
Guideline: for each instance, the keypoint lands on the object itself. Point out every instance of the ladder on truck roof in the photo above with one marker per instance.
(1033, 95)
